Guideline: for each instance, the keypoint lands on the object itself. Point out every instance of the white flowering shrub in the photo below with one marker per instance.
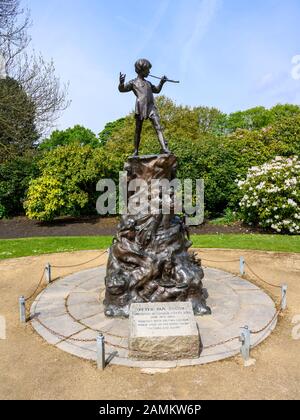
(271, 195)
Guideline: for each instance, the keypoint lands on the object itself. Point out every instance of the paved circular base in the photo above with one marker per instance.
(69, 314)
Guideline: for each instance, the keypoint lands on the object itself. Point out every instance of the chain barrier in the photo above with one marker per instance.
(37, 288)
(262, 280)
(221, 343)
(247, 265)
(226, 261)
(57, 266)
(269, 323)
(39, 285)
(81, 264)
(111, 335)
(85, 325)
(77, 340)
(63, 337)
(118, 346)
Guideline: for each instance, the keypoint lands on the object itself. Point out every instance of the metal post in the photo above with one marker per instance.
(284, 288)
(246, 343)
(48, 273)
(22, 309)
(101, 352)
(242, 266)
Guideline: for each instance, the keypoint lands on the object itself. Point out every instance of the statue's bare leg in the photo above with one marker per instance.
(138, 132)
(156, 124)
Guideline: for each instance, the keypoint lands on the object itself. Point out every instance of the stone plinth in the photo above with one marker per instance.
(163, 331)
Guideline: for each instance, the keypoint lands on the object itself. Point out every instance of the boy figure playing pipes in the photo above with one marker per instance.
(145, 106)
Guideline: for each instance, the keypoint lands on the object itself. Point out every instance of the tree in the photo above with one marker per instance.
(177, 120)
(15, 175)
(77, 134)
(218, 159)
(109, 128)
(259, 117)
(211, 120)
(14, 23)
(36, 77)
(17, 120)
(280, 111)
(251, 119)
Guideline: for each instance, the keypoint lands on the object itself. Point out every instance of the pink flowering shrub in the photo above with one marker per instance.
(271, 195)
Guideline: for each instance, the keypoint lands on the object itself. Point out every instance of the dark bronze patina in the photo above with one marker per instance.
(149, 259)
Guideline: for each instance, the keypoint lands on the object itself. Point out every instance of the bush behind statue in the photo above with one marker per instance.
(197, 137)
(15, 175)
(67, 185)
(271, 195)
(218, 159)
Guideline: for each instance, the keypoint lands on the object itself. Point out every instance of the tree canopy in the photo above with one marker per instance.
(17, 119)
(31, 71)
(77, 134)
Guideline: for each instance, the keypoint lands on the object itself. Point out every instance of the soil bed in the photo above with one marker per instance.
(21, 227)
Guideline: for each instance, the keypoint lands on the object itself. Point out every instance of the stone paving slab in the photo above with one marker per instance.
(238, 284)
(255, 316)
(47, 335)
(84, 311)
(78, 350)
(99, 322)
(62, 325)
(255, 297)
(72, 306)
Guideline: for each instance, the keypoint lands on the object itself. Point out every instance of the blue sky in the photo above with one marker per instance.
(226, 53)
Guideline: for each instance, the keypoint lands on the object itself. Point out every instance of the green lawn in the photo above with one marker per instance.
(280, 243)
(12, 248)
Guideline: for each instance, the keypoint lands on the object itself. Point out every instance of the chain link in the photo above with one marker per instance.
(54, 266)
(222, 342)
(63, 337)
(262, 280)
(226, 261)
(85, 325)
(79, 265)
(37, 288)
(269, 323)
(77, 340)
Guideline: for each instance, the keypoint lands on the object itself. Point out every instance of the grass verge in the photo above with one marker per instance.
(13, 248)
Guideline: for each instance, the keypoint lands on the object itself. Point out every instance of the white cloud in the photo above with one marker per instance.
(153, 26)
(278, 88)
(204, 17)
(295, 72)
(265, 81)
